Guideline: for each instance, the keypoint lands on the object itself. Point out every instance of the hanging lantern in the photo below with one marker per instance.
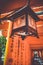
(24, 22)
(24, 26)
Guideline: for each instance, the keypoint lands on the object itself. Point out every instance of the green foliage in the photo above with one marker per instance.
(2, 44)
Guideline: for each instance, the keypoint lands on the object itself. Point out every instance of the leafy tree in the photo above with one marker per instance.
(2, 44)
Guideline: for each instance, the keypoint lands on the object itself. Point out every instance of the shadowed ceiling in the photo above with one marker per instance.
(8, 5)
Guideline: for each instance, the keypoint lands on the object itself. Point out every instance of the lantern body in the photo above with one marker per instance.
(24, 27)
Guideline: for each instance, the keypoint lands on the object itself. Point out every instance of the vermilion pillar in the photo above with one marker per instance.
(7, 43)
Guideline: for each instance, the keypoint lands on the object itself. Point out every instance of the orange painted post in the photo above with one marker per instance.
(7, 43)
